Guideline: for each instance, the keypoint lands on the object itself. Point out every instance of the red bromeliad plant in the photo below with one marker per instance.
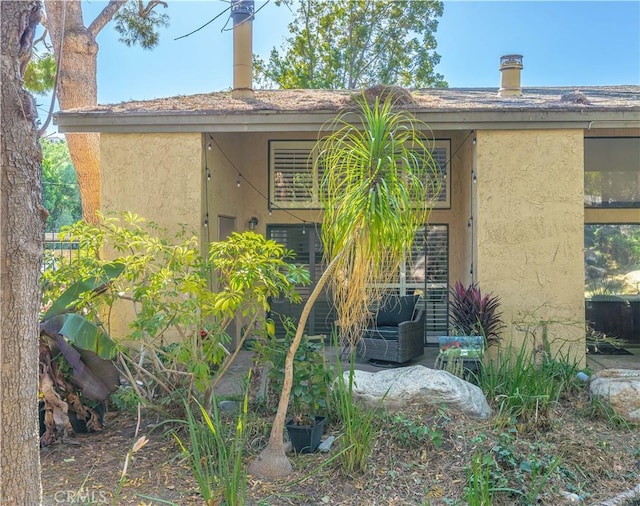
(473, 314)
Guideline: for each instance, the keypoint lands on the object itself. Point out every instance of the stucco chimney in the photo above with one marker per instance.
(510, 67)
(242, 14)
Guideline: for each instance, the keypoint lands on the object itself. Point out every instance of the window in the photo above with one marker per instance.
(612, 279)
(612, 172)
(612, 259)
(304, 241)
(425, 271)
(294, 182)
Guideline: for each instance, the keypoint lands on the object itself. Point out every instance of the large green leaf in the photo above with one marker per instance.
(88, 336)
(66, 301)
(81, 333)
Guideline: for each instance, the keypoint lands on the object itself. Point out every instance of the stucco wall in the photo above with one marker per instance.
(457, 216)
(529, 222)
(158, 176)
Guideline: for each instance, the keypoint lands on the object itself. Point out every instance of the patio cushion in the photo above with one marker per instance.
(386, 333)
(396, 310)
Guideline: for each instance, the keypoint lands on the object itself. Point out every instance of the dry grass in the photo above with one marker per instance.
(598, 460)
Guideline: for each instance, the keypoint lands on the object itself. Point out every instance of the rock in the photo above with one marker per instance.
(630, 497)
(570, 496)
(419, 385)
(325, 446)
(575, 97)
(631, 282)
(621, 389)
(229, 406)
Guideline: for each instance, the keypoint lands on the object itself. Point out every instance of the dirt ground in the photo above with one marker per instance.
(597, 461)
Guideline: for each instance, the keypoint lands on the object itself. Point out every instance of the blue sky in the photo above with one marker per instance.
(564, 43)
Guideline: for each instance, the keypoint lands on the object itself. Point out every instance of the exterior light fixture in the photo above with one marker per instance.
(253, 223)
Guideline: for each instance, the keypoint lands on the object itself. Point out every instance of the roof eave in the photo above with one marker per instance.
(278, 121)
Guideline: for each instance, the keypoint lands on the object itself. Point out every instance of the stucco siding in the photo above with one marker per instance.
(158, 176)
(529, 221)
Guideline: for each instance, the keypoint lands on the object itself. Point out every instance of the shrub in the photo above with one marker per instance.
(473, 314)
(167, 281)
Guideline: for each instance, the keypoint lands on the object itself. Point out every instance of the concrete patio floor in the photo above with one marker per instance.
(232, 383)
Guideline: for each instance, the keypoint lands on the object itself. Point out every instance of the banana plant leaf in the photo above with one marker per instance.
(81, 333)
(97, 285)
(104, 370)
(92, 386)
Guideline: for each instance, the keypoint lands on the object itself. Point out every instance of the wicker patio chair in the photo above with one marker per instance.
(397, 332)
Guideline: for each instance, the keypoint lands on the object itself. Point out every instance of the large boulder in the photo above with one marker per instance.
(631, 282)
(621, 389)
(419, 385)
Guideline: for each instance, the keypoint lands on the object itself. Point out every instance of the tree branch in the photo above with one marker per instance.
(105, 16)
(144, 11)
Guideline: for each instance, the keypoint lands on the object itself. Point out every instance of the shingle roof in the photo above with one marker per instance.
(603, 98)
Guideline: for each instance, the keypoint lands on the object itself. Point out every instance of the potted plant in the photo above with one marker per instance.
(476, 323)
(308, 397)
(310, 389)
(472, 314)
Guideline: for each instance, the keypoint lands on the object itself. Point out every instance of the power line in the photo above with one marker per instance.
(206, 24)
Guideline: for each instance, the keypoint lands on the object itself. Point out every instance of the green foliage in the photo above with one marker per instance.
(40, 74)
(75, 356)
(524, 393)
(252, 268)
(311, 376)
(599, 408)
(60, 193)
(358, 422)
(125, 399)
(378, 173)
(216, 449)
(411, 432)
(478, 490)
(338, 44)
(530, 466)
(65, 318)
(85, 289)
(167, 281)
(137, 24)
(510, 472)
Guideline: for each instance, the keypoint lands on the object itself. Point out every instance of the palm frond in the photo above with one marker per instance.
(378, 173)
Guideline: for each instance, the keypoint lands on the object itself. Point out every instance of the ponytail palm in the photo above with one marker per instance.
(378, 176)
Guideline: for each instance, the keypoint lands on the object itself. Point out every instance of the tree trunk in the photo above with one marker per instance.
(22, 224)
(77, 50)
(272, 462)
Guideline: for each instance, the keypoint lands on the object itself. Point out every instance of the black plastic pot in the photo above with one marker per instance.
(306, 438)
(79, 425)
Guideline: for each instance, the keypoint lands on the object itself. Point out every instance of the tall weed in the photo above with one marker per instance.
(478, 491)
(522, 392)
(215, 453)
(358, 428)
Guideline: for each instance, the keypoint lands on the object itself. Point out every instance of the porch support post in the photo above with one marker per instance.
(529, 234)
